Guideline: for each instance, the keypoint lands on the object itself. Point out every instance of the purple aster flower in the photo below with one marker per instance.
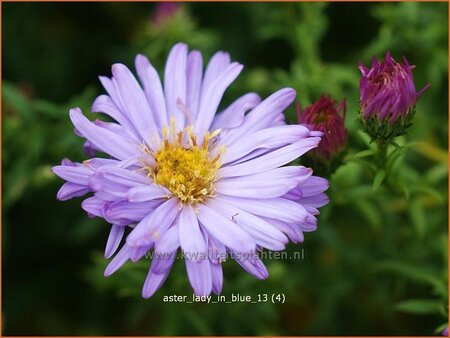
(326, 116)
(387, 89)
(182, 176)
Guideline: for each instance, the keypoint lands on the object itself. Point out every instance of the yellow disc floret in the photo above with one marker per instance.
(186, 168)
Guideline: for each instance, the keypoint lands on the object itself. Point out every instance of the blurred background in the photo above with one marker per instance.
(377, 265)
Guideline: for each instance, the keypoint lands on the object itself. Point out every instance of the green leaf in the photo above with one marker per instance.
(361, 154)
(379, 177)
(441, 328)
(393, 157)
(371, 213)
(13, 97)
(417, 214)
(419, 306)
(406, 190)
(429, 191)
(414, 273)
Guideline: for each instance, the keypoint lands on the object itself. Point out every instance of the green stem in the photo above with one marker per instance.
(382, 153)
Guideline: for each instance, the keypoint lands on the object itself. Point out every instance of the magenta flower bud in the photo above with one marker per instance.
(163, 11)
(387, 97)
(327, 116)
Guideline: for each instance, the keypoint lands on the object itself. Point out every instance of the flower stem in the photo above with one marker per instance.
(382, 153)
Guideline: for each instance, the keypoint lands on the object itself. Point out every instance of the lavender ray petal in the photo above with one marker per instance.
(194, 81)
(114, 238)
(70, 190)
(225, 230)
(274, 137)
(175, 82)
(154, 224)
(277, 208)
(212, 95)
(153, 89)
(105, 140)
(269, 184)
(119, 259)
(274, 159)
(217, 277)
(264, 233)
(191, 238)
(142, 193)
(199, 274)
(233, 116)
(135, 102)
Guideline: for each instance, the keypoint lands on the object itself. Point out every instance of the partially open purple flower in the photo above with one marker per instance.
(327, 116)
(387, 90)
(163, 11)
(182, 176)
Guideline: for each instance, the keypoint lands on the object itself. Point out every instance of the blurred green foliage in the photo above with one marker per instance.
(377, 265)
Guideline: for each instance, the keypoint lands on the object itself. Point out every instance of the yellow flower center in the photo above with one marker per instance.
(184, 167)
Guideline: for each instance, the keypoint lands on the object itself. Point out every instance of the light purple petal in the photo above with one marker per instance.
(153, 89)
(113, 190)
(233, 116)
(74, 174)
(134, 212)
(263, 116)
(212, 96)
(138, 252)
(277, 208)
(274, 159)
(104, 104)
(217, 252)
(153, 282)
(315, 201)
(225, 230)
(217, 277)
(94, 206)
(219, 61)
(135, 102)
(191, 238)
(269, 184)
(155, 224)
(165, 250)
(175, 82)
(269, 138)
(142, 193)
(255, 267)
(70, 190)
(169, 241)
(199, 274)
(264, 233)
(114, 238)
(119, 259)
(111, 88)
(123, 176)
(313, 186)
(291, 230)
(107, 141)
(194, 80)
(97, 162)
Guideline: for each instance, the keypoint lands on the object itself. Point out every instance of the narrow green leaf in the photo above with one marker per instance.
(364, 153)
(379, 177)
(414, 273)
(417, 214)
(441, 328)
(419, 306)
